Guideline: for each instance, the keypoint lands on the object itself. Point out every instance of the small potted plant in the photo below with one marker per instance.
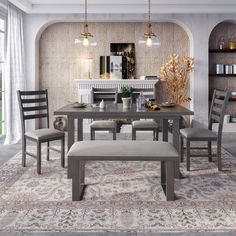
(126, 93)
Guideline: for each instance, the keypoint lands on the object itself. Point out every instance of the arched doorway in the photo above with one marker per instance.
(222, 61)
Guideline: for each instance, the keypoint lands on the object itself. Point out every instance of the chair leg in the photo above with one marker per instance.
(82, 172)
(157, 134)
(114, 134)
(92, 134)
(188, 154)
(39, 158)
(133, 134)
(63, 152)
(209, 152)
(219, 156)
(181, 149)
(48, 150)
(23, 151)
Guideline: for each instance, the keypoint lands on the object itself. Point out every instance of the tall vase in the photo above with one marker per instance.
(126, 102)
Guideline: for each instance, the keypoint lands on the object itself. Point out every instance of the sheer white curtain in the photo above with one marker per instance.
(14, 73)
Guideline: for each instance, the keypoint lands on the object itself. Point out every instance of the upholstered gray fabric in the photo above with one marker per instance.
(106, 124)
(144, 124)
(40, 134)
(118, 150)
(198, 133)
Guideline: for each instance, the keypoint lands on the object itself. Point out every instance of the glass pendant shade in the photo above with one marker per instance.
(150, 39)
(86, 38)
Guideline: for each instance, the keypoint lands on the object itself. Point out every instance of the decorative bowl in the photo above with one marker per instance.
(168, 104)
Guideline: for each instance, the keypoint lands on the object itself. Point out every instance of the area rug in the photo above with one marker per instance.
(119, 197)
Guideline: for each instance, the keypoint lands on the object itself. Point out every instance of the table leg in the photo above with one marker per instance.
(71, 130)
(170, 196)
(175, 131)
(165, 130)
(80, 130)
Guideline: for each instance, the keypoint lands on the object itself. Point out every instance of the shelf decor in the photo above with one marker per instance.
(176, 75)
(232, 43)
(221, 43)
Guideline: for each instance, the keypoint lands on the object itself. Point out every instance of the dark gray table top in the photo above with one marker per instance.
(117, 111)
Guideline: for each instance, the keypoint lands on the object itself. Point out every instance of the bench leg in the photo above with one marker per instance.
(77, 186)
(167, 179)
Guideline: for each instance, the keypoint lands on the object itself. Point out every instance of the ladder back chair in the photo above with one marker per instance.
(216, 114)
(144, 125)
(108, 95)
(34, 105)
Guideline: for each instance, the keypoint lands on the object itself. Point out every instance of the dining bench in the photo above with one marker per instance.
(101, 150)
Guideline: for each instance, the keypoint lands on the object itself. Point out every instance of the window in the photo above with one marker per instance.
(2, 90)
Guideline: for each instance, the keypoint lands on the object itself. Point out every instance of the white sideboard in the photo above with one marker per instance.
(85, 86)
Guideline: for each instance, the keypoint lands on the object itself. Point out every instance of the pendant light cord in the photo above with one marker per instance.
(149, 11)
(86, 16)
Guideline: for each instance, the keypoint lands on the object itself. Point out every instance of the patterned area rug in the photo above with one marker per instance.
(120, 196)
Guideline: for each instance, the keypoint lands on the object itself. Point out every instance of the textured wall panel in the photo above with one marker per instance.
(61, 61)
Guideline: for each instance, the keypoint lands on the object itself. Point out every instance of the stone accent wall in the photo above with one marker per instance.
(61, 61)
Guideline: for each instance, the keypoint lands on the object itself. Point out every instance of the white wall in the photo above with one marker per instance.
(198, 27)
(3, 8)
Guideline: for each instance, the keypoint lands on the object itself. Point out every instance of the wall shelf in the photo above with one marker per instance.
(224, 57)
(231, 99)
(222, 75)
(227, 50)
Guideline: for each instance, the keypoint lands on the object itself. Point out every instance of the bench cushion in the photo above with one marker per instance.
(123, 150)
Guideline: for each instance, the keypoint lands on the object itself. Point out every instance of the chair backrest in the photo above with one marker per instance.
(107, 94)
(33, 105)
(147, 92)
(217, 111)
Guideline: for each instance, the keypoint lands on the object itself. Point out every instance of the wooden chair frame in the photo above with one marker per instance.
(41, 111)
(135, 94)
(216, 114)
(108, 95)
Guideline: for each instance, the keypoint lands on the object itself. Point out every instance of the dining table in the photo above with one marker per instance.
(116, 111)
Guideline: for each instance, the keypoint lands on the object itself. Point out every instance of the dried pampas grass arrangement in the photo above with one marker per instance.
(176, 75)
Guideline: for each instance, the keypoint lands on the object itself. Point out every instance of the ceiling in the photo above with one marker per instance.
(125, 6)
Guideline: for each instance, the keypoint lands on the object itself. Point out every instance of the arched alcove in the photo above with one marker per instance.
(61, 61)
(221, 60)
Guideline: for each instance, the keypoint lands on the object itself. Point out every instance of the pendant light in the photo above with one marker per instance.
(150, 37)
(85, 37)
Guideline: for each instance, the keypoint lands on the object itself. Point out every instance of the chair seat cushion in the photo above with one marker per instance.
(142, 124)
(103, 124)
(44, 134)
(198, 133)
